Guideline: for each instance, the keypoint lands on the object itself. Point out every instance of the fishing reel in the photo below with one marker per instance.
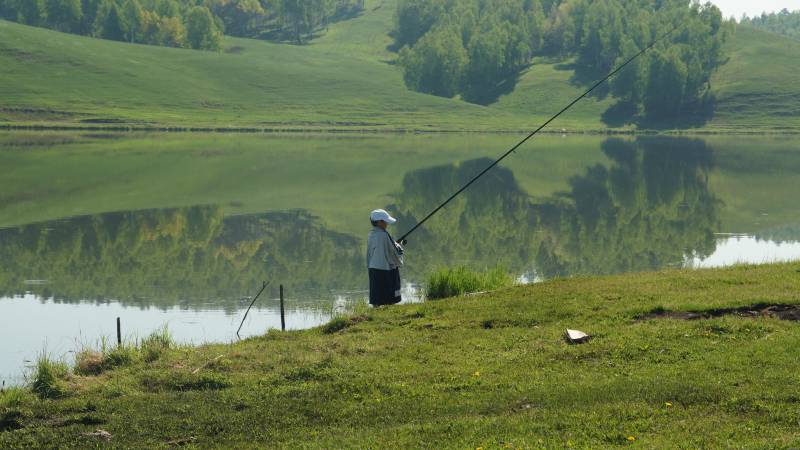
(399, 246)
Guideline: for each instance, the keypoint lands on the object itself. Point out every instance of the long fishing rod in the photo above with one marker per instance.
(533, 133)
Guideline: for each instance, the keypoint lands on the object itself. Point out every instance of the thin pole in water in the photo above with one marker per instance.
(283, 315)
(533, 133)
(119, 332)
(264, 286)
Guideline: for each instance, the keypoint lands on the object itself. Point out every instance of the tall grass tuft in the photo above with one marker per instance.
(14, 397)
(49, 377)
(153, 346)
(452, 282)
(149, 349)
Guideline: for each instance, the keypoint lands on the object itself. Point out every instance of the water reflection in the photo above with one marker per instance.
(192, 257)
(651, 208)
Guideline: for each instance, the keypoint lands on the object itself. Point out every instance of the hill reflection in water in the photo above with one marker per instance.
(650, 208)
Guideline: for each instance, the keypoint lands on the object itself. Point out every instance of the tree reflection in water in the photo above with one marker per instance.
(649, 208)
(185, 256)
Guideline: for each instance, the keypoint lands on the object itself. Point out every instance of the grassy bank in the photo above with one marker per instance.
(490, 371)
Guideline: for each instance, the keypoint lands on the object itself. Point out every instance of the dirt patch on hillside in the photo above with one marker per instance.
(784, 312)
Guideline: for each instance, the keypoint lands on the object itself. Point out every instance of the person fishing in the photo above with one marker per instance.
(384, 258)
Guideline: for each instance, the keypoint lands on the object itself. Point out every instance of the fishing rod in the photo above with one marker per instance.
(263, 286)
(534, 132)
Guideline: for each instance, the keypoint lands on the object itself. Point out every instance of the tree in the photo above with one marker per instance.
(201, 30)
(90, 9)
(630, 83)
(8, 9)
(31, 12)
(666, 86)
(239, 16)
(487, 58)
(296, 14)
(133, 19)
(109, 23)
(436, 64)
(64, 15)
(167, 8)
(171, 32)
(414, 18)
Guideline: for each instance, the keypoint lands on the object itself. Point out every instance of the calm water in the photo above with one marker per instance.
(182, 229)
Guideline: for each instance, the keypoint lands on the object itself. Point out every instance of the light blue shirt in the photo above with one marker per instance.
(382, 252)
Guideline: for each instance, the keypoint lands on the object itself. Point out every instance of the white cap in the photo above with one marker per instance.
(380, 214)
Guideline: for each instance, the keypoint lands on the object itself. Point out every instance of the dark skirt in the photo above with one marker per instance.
(384, 287)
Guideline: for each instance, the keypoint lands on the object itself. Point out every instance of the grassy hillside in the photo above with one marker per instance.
(487, 371)
(758, 86)
(755, 89)
(49, 76)
(343, 80)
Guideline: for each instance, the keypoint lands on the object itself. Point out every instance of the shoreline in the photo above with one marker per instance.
(462, 372)
(791, 131)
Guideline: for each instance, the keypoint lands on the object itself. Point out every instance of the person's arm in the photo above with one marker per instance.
(392, 254)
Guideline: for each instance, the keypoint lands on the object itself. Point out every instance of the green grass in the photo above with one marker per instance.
(49, 377)
(260, 85)
(89, 361)
(434, 375)
(452, 282)
(545, 88)
(344, 80)
(751, 89)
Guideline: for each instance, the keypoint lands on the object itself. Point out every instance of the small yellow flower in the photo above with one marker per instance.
(478, 448)
(477, 373)
(631, 438)
(668, 404)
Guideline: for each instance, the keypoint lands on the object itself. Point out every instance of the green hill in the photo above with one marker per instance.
(54, 77)
(758, 86)
(343, 80)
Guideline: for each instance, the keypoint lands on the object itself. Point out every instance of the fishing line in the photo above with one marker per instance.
(533, 133)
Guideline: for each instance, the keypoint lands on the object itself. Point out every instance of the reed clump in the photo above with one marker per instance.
(452, 282)
(49, 377)
(94, 362)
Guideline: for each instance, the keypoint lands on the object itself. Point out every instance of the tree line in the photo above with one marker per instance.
(169, 23)
(784, 22)
(197, 24)
(472, 47)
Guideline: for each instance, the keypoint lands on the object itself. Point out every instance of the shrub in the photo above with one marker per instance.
(451, 282)
(49, 377)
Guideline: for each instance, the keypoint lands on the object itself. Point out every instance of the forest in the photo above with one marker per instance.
(784, 22)
(197, 24)
(474, 48)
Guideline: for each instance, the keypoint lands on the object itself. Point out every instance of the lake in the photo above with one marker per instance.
(183, 229)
